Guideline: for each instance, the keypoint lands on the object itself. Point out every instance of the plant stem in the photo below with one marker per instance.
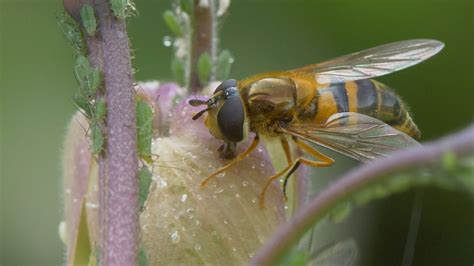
(118, 185)
(203, 39)
(288, 234)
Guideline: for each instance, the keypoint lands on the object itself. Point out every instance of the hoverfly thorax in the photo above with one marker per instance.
(226, 116)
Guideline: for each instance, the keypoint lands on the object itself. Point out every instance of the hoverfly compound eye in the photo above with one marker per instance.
(230, 83)
(231, 116)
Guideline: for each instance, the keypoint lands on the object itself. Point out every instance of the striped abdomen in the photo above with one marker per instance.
(367, 97)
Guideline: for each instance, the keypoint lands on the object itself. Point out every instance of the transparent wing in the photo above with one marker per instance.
(343, 253)
(374, 62)
(355, 135)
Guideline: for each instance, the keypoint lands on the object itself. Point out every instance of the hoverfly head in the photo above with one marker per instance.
(226, 117)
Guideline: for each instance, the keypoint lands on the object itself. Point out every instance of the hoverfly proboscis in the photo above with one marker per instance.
(334, 104)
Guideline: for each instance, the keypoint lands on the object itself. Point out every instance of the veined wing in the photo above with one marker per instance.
(355, 135)
(374, 62)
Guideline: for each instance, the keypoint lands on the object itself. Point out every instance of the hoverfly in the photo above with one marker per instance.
(333, 104)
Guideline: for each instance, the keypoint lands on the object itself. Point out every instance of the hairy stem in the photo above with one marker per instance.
(289, 233)
(118, 185)
(203, 39)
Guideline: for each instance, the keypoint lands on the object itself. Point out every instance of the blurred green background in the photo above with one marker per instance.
(37, 83)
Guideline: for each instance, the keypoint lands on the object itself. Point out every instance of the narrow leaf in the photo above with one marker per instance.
(204, 67)
(83, 246)
(172, 22)
(224, 64)
(177, 67)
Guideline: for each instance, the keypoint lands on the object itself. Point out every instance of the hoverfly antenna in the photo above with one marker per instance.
(197, 102)
(196, 116)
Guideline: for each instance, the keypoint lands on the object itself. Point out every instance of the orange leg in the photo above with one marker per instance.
(286, 149)
(237, 159)
(325, 161)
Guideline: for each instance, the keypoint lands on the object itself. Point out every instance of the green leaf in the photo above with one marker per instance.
(144, 115)
(187, 6)
(204, 68)
(177, 67)
(83, 248)
(144, 181)
(88, 19)
(224, 64)
(295, 258)
(172, 22)
(71, 32)
(97, 138)
(89, 78)
(119, 8)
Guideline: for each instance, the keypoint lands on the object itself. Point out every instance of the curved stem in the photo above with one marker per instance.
(290, 233)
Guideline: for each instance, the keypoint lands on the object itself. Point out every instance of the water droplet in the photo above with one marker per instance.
(219, 190)
(251, 255)
(174, 235)
(190, 210)
(162, 183)
(91, 205)
(68, 191)
(197, 247)
(237, 195)
(184, 197)
(167, 41)
(253, 166)
(197, 222)
(254, 200)
(286, 207)
(234, 249)
(245, 183)
(262, 164)
(225, 221)
(260, 149)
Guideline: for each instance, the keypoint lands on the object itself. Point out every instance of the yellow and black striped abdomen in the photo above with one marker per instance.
(367, 97)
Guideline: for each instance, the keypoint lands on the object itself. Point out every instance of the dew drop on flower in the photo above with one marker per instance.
(174, 235)
(245, 183)
(184, 197)
(197, 247)
(219, 190)
(225, 221)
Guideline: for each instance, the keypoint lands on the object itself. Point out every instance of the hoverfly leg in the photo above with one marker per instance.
(291, 168)
(286, 149)
(237, 159)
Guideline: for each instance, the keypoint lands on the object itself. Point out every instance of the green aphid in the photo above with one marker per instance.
(84, 104)
(71, 32)
(97, 138)
(89, 78)
(88, 19)
(100, 109)
(172, 22)
(204, 68)
(119, 8)
(177, 67)
(224, 64)
(144, 115)
(144, 181)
